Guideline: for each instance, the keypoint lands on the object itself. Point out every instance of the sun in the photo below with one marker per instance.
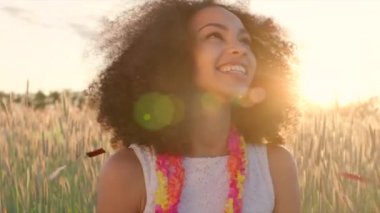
(330, 77)
(337, 46)
(331, 71)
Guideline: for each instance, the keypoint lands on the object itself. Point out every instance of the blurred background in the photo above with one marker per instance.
(47, 127)
(49, 43)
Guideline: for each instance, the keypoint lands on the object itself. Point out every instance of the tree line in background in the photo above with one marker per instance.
(40, 100)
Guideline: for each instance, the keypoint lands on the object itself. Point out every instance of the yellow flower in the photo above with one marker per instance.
(161, 192)
(229, 206)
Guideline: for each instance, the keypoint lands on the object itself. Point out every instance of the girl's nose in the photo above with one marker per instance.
(236, 48)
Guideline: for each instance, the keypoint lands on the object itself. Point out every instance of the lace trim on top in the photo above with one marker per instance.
(206, 182)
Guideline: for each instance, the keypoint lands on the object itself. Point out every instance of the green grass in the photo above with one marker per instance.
(34, 143)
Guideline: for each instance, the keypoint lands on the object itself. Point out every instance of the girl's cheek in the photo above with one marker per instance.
(213, 49)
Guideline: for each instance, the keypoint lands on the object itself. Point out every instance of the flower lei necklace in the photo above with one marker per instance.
(170, 175)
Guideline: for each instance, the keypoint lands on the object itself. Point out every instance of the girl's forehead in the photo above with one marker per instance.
(214, 14)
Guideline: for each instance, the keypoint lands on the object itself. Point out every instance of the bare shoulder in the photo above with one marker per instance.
(280, 154)
(121, 186)
(284, 175)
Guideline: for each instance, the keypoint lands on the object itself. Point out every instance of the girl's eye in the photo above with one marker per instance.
(216, 35)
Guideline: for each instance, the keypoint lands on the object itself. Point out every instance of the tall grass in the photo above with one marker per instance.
(34, 143)
(329, 143)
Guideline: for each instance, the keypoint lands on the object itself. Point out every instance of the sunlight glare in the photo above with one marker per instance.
(338, 49)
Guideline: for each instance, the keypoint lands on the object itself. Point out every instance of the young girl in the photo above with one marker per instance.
(198, 93)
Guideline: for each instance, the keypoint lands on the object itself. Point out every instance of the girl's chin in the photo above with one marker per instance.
(236, 92)
(244, 97)
(225, 94)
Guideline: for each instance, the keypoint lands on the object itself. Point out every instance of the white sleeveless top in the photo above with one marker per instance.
(206, 182)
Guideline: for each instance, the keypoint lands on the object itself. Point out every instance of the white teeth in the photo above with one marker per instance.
(233, 68)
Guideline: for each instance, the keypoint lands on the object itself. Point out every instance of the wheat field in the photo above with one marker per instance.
(331, 147)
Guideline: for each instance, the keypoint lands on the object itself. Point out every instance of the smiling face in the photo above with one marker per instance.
(223, 60)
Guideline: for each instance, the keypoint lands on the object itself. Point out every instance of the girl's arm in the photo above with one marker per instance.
(285, 180)
(121, 187)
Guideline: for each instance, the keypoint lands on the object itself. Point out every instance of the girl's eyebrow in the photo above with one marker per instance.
(223, 27)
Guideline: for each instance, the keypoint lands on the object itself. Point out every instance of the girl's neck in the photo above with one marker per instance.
(210, 127)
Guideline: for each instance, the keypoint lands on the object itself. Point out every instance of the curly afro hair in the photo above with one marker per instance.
(149, 68)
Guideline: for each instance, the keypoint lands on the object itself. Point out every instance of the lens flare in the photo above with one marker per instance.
(154, 111)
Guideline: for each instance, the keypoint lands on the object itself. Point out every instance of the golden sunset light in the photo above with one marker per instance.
(337, 43)
(132, 106)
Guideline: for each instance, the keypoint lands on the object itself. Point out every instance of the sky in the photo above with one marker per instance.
(47, 43)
